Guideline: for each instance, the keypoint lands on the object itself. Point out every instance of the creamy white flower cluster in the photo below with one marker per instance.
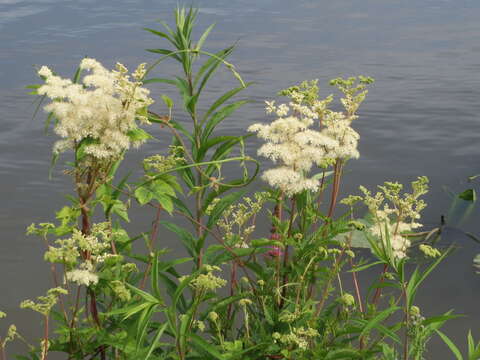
(84, 275)
(293, 142)
(71, 252)
(102, 108)
(206, 281)
(384, 226)
(394, 214)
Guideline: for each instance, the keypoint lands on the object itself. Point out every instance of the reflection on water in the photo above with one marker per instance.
(420, 118)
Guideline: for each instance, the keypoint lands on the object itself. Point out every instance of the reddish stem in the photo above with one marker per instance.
(233, 284)
(378, 291)
(357, 288)
(45, 339)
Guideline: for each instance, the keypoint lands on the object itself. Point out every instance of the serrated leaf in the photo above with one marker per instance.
(119, 208)
(166, 202)
(143, 195)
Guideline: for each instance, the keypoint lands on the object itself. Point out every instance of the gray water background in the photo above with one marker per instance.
(421, 117)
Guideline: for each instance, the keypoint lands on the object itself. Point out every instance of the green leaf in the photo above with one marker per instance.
(199, 343)
(450, 344)
(117, 190)
(120, 209)
(209, 67)
(48, 121)
(204, 37)
(167, 101)
(160, 187)
(435, 322)
(343, 354)
(219, 116)
(182, 207)
(80, 151)
(387, 332)
(154, 343)
(161, 34)
(221, 153)
(166, 202)
(171, 287)
(225, 256)
(205, 146)
(138, 135)
(222, 304)
(417, 278)
(53, 161)
(378, 319)
(143, 194)
(356, 237)
(165, 52)
(143, 323)
(167, 265)
(468, 195)
(130, 310)
(76, 76)
(183, 284)
(154, 277)
(146, 296)
(187, 238)
(265, 242)
(471, 344)
(222, 99)
(160, 80)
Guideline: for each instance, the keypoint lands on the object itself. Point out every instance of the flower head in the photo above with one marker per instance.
(306, 133)
(100, 111)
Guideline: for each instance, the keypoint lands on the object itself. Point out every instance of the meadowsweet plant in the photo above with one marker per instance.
(288, 290)
(97, 116)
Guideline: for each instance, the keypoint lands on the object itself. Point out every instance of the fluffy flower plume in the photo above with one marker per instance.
(85, 275)
(101, 109)
(307, 133)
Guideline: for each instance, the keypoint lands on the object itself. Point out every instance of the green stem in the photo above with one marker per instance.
(151, 246)
(285, 256)
(407, 323)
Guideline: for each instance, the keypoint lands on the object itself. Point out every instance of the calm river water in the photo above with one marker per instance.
(420, 118)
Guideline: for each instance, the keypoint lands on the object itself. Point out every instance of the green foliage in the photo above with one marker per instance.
(240, 294)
